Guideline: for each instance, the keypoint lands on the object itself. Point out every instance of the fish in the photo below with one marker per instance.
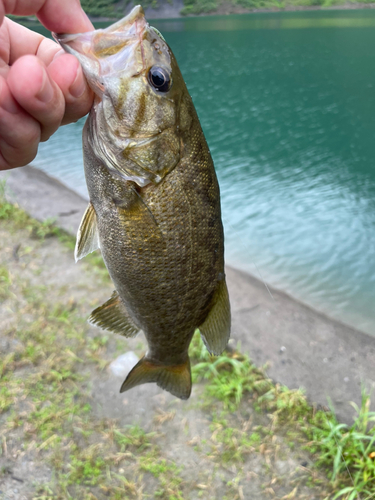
(154, 209)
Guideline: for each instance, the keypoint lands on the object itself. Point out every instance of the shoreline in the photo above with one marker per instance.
(62, 399)
(302, 347)
(173, 10)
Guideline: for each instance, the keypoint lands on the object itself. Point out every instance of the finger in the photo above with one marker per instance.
(22, 41)
(2, 12)
(19, 132)
(37, 93)
(59, 16)
(66, 71)
(64, 17)
(4, 51)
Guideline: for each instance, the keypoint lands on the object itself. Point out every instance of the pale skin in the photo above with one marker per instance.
(41, 88)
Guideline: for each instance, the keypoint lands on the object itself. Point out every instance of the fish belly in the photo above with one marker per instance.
(163, 248)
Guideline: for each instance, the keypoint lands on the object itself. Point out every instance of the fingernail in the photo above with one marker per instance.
(78, 87)
(45, 94)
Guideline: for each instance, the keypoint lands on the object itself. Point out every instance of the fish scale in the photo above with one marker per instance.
(154, 202)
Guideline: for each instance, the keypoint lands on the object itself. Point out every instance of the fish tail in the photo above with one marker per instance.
(175, 379)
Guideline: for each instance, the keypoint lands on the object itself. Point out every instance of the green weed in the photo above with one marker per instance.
(134, 439)
(348, 452)
(85, 466)
(45, 398)
(199, 7)
(166, 472)
(4, 282)
(194, 7)
(230, 375)
(19, 218)
(232, 444)
(98, 7)
(6, 399)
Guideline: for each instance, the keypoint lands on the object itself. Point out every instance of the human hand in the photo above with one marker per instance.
(39, 88)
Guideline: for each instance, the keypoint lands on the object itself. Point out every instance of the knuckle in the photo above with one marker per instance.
(30, 155)
(31, 139)
(22, 153)
(47, 131)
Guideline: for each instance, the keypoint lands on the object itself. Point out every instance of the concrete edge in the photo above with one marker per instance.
(302, 347)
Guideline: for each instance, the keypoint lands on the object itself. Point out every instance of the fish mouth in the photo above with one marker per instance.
(116, 49)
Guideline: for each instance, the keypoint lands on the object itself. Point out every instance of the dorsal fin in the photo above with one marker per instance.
(87, 235)
(113, 316)
(215, 331)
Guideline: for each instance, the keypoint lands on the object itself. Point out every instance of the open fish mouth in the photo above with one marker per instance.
(134, 117)
(116, 49)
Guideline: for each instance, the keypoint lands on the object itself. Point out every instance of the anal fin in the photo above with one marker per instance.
(175, 379)
(215, 331)
(113, 316)
(87, 235)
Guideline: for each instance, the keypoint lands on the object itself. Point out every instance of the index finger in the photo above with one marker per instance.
(60, 16)
(23, 41)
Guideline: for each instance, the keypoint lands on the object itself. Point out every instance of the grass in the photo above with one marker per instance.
(346, 453)
(44, 389)
(46, 406)
(98, 7)
(110, 8)
(114, 10)
(194, 7)
(19, 219)
(58, 423)
(231, 444)
(348, 450)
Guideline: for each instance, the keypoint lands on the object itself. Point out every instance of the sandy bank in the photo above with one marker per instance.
(302, 347)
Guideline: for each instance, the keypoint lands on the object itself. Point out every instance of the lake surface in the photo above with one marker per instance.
(287, 103)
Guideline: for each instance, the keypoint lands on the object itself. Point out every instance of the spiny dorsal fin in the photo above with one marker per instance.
(175, 379)
(87, 235)
(215, 331)
(113, 316)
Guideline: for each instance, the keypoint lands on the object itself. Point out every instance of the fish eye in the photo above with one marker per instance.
(159, 79)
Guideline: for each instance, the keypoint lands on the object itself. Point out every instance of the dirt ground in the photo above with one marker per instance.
(301, 347)
(66, 432)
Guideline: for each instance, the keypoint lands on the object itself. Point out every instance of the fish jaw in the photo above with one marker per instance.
(133, 127)
(103, 53)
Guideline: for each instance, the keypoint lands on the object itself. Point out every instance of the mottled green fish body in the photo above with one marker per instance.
(154, 202)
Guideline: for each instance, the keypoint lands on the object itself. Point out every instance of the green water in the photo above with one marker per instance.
(287, 103)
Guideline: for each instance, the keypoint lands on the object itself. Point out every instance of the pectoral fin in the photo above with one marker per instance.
(113, 316)
(135, 213)
(215, 331)
(175, 379)
(87, 236)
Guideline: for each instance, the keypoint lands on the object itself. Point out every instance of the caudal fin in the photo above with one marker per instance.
(175, 379)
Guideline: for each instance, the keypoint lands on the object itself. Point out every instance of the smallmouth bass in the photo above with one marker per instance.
(154, 208)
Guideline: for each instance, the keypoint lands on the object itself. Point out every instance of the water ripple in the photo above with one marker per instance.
(290, 118)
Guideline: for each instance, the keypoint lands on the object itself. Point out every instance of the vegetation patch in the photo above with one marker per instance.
(347, 453)
(112, 9)
(235, 433)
